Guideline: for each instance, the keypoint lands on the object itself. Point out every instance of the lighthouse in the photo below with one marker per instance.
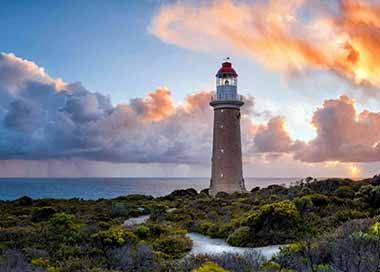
(226, 172)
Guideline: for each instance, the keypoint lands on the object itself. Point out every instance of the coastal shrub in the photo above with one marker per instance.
(173, 246)
(318, 200)
(210, 267)
(274, 198)
(278, 213)
(204, 226)
(143, 232)
(222, 195)
(205, 191)
(115, 237)
(329, 186)
(273, 223)
(345, 192)
(303, 204)
(9, 221)
(132, 259)
(85, 237)
(42, 214)
(40, 262)
(25, 201)
(215, 231)
(239, 237)
(345, 215)
(375, 181)
(13, 260)
(159, 213)
(305, 191)
(255, 189)
(134, 213)
(277, 189)
(369, 194)
(165, 229)
(248, 261)
(355, 246)
(62, 227)
(135, 198)
(181, 194)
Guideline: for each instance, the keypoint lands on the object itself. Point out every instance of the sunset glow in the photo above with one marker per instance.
(354, 171)
(307, 71)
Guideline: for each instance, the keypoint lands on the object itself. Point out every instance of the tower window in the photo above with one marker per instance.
(226, 82)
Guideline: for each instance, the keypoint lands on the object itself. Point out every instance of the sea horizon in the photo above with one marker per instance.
(111, 187)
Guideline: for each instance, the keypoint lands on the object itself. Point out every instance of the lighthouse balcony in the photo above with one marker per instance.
(225, 99)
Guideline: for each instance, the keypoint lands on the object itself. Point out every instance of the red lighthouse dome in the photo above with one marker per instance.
(226, 70)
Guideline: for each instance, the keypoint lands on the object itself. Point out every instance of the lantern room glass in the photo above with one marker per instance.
(226, 81)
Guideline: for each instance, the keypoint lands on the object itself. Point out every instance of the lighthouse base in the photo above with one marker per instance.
(227, 187)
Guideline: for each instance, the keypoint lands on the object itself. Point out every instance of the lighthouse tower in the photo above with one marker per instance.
(227, 172)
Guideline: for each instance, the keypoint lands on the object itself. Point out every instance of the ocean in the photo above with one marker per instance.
(95, 188)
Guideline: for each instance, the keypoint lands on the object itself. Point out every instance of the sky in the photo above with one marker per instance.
(121, 88)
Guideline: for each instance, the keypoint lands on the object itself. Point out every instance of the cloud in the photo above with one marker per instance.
(342, 134)
(155, 107)
(273, 137)
(291, 37)
(41, 121)
(47, 119)
(23, 116)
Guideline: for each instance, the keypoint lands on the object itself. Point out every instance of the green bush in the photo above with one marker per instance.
(25, 201)
(210, 267)
(42, 214)
(239, 237)
(62, 227)
(215, 231)
(273, 223)
(174, 245)
(370, 194)
(281, 214)
(40, 262)
(345, 215)
(143, 232)
(303, 204)
(115, 237)
(318, 199)
(345, 192)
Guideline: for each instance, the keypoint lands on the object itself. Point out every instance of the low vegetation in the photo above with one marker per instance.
(327, 225)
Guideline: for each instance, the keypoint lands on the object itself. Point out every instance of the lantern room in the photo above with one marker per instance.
(226, 82)
(226, 75)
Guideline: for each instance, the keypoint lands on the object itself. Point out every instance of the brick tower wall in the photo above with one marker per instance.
(227, 173)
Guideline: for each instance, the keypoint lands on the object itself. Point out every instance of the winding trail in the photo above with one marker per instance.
(206, 245)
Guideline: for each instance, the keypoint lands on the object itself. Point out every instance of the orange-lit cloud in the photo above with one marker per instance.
(338, 36)
(157, 106)
(343, 134)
